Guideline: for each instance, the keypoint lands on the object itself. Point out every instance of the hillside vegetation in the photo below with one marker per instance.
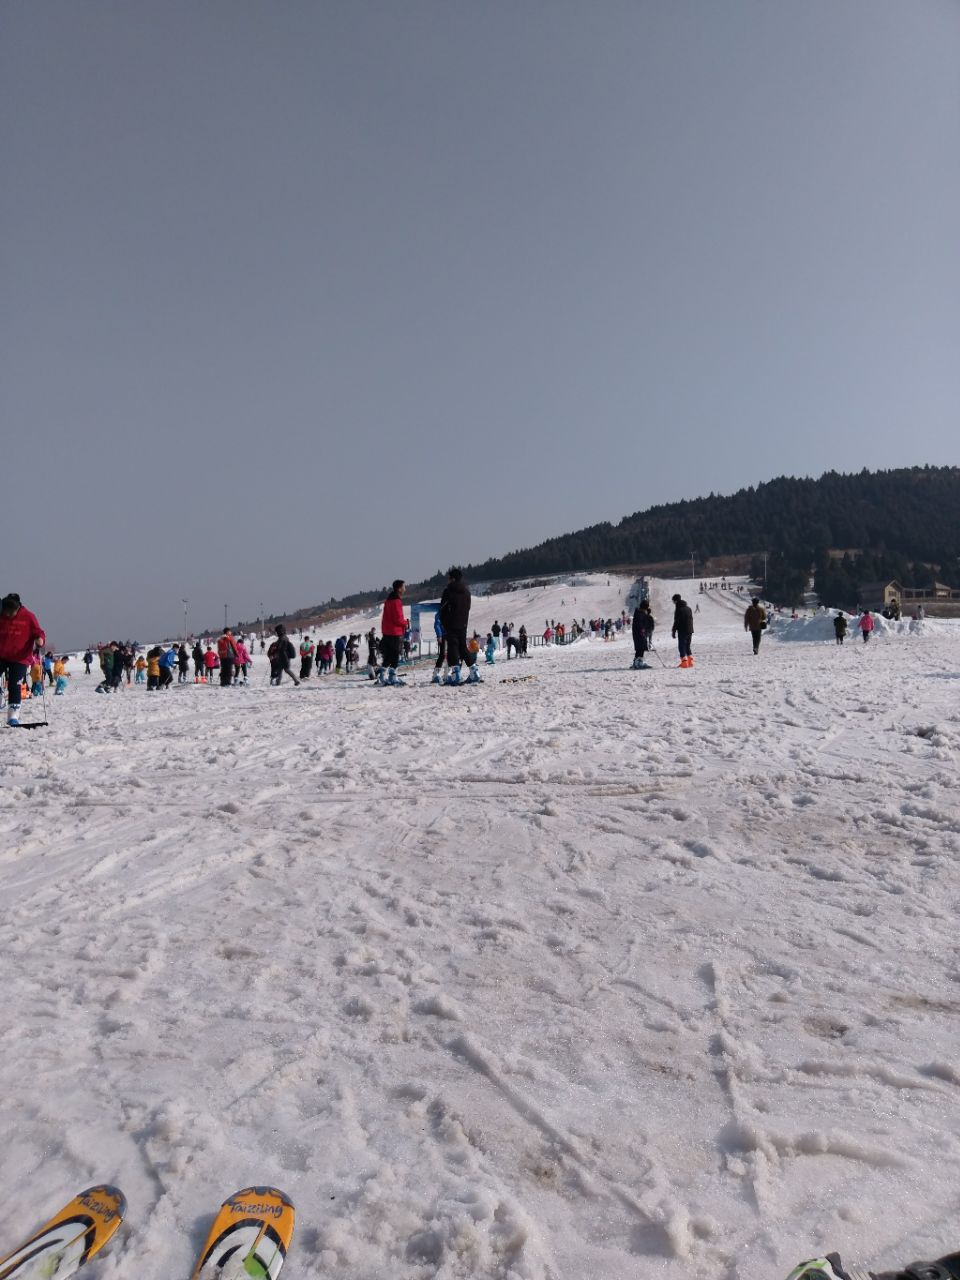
(902, 524)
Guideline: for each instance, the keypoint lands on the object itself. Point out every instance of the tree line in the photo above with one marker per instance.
(902, 523)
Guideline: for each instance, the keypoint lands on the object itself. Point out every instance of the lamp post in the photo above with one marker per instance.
(765, 574)
(224, 617)
(184, 603)
(261, 619)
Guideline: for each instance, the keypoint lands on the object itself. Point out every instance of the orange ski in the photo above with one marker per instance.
(69, 1239)
(249, 1237)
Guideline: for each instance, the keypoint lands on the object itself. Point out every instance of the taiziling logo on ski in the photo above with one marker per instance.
(249, 1237)
(69, 1239)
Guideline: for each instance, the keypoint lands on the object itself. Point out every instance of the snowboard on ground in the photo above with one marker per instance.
(69, 1239)
(249, 1237)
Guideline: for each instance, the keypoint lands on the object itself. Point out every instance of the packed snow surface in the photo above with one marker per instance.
(598, 973)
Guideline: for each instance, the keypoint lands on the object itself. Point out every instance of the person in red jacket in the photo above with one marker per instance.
(392, 624)
(20, 636)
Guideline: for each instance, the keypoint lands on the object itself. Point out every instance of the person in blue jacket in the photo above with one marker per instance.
(168, 660)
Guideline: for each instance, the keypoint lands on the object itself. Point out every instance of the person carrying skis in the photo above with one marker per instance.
(454, 616)
(393, 624)
(840, 627)
(643, 625)
(866, 624)
(682, 630)
(755, 621)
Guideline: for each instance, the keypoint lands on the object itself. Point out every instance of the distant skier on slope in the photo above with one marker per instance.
(20, 635)
(755, 621)
(866, 624)
(643, 625)
(682, 629)
(840, 627)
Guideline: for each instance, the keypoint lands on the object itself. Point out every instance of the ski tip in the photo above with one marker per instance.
(244, 1198)
(104, 1199)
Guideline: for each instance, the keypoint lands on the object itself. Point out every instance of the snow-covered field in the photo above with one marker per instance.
(599, 974)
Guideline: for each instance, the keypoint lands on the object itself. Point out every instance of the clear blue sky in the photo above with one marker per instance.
(298, 297)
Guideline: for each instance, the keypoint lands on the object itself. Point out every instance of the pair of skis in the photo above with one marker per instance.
(248, 1240)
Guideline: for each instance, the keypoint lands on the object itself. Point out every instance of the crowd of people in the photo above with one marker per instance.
(27, 666)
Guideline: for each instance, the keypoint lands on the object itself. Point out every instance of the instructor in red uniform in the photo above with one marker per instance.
(20, 635)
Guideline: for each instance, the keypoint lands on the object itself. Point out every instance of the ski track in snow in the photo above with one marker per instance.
(606, 973)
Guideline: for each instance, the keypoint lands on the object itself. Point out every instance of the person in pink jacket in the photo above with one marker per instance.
(866, 624)
(243, 661)
(20, 635)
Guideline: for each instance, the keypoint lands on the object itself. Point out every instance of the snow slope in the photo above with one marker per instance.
(601, 973)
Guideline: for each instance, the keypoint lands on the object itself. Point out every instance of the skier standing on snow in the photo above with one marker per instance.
(866, 624)
(393, 624)
(840, 627)
(754, 621)
(371, 638)
(682, 630)
(20, 635)
(643, 625)
(454, 616)
(441, 649)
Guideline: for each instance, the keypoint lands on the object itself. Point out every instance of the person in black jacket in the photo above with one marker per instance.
(682, 629)
(454, 615)
(197, 662)
(281, 653)
(643, 625)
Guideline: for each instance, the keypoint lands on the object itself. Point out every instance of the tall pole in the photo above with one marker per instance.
(224, 617)
(692, 573)
(184, 603)
(261, 617)
(764, 574)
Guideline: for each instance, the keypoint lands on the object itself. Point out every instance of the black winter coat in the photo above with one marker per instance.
(455, 607)
(683, 620)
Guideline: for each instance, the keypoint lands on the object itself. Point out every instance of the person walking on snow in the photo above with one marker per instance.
(866, 624)
(281, 653)
(682, 630)
(643, 625)
(755, 621)
(20, 635)
(392, 626)
(840, 627)
(454, 615)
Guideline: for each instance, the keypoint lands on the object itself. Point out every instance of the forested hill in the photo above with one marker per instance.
(903, 523)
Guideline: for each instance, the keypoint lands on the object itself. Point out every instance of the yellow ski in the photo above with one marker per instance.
(64, 1244)
(249, 1237)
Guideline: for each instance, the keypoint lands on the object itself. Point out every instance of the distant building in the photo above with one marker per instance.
(938, 600)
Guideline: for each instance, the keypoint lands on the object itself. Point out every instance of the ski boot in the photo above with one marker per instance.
(381, 675)
(830, 1267)
(394, 679)
(454, 675)
(474, 676)
(437, 678)
(13, 716)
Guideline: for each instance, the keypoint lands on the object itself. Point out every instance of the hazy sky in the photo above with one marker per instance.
(297, 297)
